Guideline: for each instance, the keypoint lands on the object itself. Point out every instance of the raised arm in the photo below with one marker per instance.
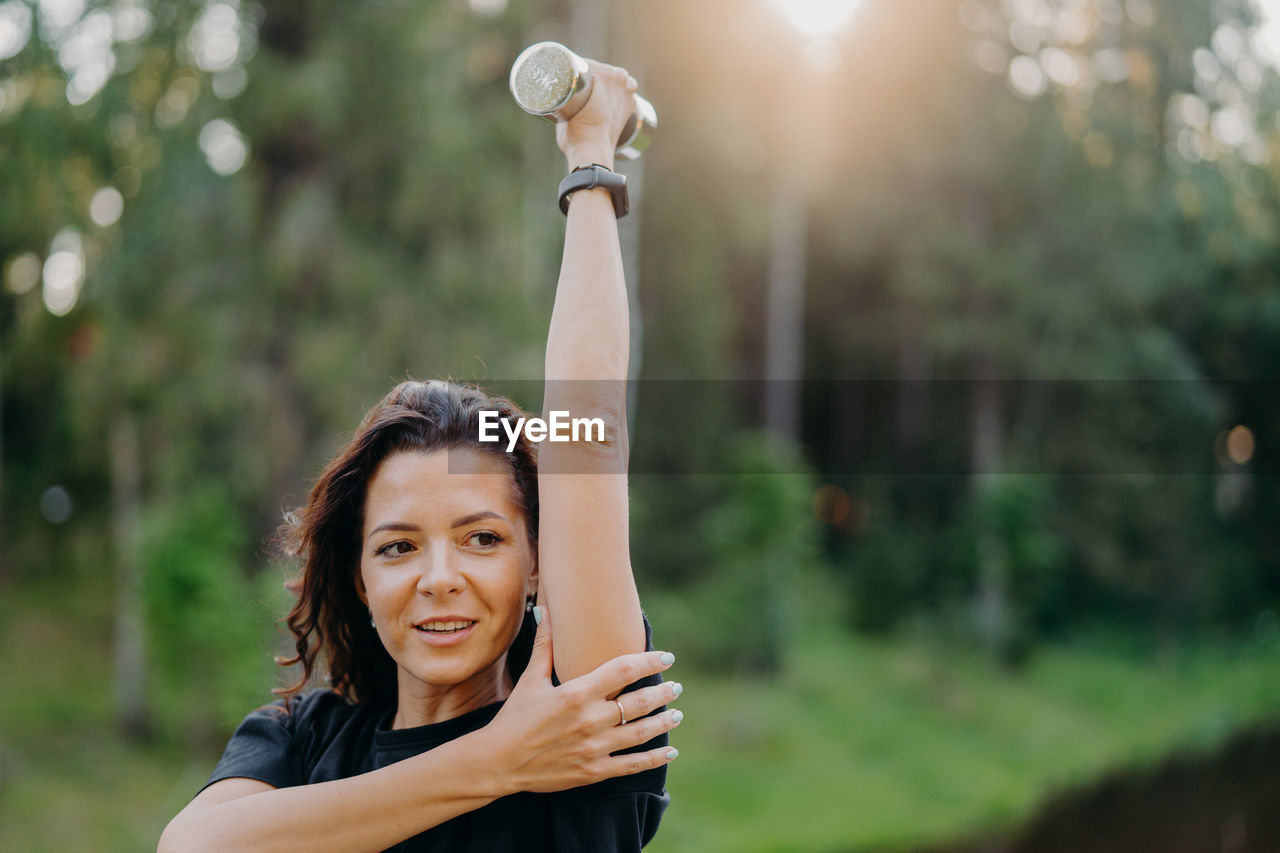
(584, 561)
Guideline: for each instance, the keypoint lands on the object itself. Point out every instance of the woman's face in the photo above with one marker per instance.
(445, 567)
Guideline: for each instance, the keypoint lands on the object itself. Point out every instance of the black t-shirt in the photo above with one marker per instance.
(324, 738)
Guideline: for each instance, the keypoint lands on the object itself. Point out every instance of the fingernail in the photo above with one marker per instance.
(677, 715)
(676, 688)
(667, 658)
(672, 753)
(537, 615)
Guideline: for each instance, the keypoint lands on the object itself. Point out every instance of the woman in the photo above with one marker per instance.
(425, 550)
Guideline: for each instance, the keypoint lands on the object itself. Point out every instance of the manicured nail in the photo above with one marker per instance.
(667, 658)
(677, 715)
(672, 753)
(676, 688)
(537, 615)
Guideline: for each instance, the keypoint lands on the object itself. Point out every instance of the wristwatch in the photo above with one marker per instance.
(591, 176)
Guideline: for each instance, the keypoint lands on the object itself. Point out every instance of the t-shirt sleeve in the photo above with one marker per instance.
(263, 748)
(620, 814)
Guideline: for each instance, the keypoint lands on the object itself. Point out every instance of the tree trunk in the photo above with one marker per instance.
(132, 710)
(3, 561)
(991, 610)
(913, 404)
(990, 605)
(784, 311)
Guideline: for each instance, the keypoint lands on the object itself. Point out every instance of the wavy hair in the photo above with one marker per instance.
(330, 625)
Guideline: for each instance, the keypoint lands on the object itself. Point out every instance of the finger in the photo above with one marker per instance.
(540, 658)
(611, 676)
(639, 703)
(638, 762)
(637, 732)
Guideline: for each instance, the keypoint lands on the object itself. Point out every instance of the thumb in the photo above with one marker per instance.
(540, 657)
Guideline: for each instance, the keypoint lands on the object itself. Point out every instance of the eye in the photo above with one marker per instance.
(484, 538)
(395, 549)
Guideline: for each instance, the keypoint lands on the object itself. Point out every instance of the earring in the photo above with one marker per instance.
(528, 604)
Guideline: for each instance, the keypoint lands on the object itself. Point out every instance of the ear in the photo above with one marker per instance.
(359, 584)
(531, 586)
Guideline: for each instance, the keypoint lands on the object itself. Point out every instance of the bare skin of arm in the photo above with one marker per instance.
(583, 540)
(544, 739)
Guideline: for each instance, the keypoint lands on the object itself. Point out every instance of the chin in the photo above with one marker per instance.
(450, 674)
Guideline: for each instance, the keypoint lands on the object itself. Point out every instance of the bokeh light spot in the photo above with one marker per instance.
(225, 149)
(1232, 125)
(831, 505)
(214, 39)
(1060, 66)
(23, 273)
(975, 16)
(229, 83)
(1026, 78)
(15, 28)
(1240, 444)
(1141, 12)
(106, 206)
(57, 15)
(133, 22)
(989, 56)
(1110, 66)
(128, 179)
(489, 8)
(63, 273)
(56, 505)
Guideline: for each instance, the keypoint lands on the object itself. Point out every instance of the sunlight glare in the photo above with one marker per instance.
(817, 17)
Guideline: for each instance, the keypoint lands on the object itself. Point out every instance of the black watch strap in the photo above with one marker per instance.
(592, 176)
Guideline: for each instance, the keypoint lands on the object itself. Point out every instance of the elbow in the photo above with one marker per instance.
(180, 837)
(597, 444)
(172, 840)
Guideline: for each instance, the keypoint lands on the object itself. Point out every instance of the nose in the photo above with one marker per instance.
(440, 574)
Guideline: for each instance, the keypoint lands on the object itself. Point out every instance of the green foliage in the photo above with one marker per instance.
(740, 611)
(205, 618)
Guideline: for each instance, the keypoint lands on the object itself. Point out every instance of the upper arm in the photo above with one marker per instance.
(226, 790)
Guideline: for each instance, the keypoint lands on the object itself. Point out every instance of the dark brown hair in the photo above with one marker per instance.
(329, 620)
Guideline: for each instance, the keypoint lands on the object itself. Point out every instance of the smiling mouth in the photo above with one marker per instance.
(444, 627)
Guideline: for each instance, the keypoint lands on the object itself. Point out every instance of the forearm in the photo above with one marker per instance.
(589, 338)
(372, 811)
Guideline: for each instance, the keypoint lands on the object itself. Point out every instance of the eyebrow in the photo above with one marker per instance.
(393, 525)
(461, 522)
(477, 516)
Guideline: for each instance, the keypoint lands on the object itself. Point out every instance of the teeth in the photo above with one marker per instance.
(445, 627)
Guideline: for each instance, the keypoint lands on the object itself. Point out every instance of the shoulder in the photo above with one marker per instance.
(300, 713)
(313, 718)
(282, 743)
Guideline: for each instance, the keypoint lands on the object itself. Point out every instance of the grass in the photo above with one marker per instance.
(896, 744)
(861, 745)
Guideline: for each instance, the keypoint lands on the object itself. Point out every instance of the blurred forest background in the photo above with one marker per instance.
(958, 339)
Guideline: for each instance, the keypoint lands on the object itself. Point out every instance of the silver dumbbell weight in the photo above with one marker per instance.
(549, 80)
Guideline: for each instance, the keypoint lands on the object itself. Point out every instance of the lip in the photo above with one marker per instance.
(442, 640)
